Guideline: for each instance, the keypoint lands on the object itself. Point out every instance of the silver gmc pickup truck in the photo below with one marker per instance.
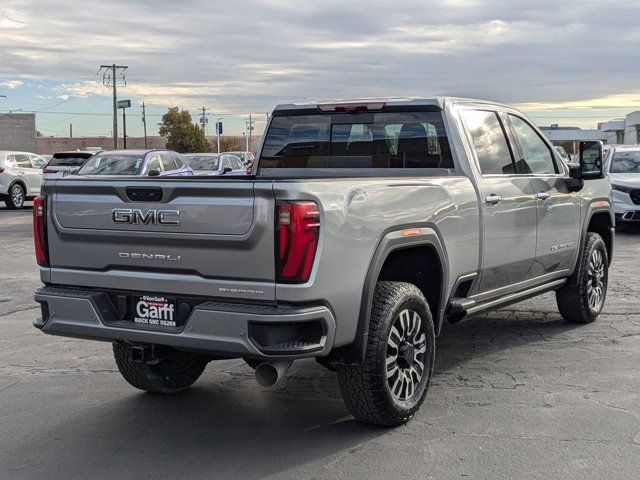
(363, 228)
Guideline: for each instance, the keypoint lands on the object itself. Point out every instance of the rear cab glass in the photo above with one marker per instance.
(366, 140)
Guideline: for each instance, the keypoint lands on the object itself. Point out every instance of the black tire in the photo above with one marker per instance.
(366, 388)
(576, 299)
(169, 375)
(16, 197)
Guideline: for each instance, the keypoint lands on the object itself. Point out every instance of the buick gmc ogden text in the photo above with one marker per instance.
(362, 228)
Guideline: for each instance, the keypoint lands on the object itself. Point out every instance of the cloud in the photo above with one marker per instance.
(251, 55)
(12, 84)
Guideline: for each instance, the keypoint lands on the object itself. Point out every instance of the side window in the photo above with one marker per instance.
(538, 158)
(38, 162)
(153, 164)
(167, 162)
(23, 161)
(236, 163)
(10, 160)
(492, 149)
(178, 163)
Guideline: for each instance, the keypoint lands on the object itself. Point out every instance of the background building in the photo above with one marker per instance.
(18, 131)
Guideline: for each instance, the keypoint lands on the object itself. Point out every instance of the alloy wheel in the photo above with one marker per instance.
(596, 280)
(406, 355)
(17, 196)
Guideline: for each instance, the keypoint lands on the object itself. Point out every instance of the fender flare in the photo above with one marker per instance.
(390, 242)
(595, 207)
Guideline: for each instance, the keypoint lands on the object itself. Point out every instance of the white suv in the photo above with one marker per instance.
(20, 177)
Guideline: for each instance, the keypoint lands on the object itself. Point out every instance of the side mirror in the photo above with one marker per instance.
(153, 173)
(591, 160)
(227, 169)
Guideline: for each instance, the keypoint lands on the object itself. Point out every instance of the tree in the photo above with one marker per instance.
(181, 134)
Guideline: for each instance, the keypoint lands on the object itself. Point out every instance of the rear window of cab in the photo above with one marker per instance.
(382, 140)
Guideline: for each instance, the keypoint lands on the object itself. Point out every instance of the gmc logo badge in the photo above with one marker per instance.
(150, 217)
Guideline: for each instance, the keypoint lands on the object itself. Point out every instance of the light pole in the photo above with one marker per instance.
(218, 130)
(124, 104)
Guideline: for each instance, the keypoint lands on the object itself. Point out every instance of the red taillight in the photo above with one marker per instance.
(40, 230)
(1, 170)
(351, 107)
(297, 231)
(48, 170)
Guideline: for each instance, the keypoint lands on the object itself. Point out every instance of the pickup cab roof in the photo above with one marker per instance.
(438, 102)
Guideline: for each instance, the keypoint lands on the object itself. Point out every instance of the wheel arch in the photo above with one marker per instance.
(393, 249)
(601, 220)
(20, 182)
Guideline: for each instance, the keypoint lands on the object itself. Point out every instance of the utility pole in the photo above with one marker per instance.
(249, 125)
(71, 130)
(203, 119)
(144, 123)
(110, 79)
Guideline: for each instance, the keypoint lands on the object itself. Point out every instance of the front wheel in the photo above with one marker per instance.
(581, 299)
(170, 375)
(390, 385)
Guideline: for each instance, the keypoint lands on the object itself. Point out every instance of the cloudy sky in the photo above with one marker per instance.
(571, 62)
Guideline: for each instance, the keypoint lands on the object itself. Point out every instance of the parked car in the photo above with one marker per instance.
(246, 157)
(214, 163)
(623, 170)
(20, 177)
(148, 163)
(67, 162)
(563, 153)
(365, 227)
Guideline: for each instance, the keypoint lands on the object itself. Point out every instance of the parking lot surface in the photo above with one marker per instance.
(516, 394)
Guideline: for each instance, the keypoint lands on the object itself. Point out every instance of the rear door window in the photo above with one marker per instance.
(23, 161)
(361, 140)
(167, 162)
(490, 142)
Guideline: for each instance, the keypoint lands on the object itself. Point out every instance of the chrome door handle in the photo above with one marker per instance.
(543, 195)
(493, 199)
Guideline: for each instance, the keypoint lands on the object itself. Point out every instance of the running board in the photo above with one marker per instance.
(516, 297)
(465, 307)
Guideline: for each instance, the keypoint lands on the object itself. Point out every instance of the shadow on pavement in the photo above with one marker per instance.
(228, 428)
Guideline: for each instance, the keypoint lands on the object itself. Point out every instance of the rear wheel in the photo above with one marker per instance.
(16, 197)
(171, 374)
(390, 385)
(581, 299)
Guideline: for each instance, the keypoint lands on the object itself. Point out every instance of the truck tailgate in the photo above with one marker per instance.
(176, 235)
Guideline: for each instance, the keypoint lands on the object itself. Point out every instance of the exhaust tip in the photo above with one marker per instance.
(266, 375)
(269, 374)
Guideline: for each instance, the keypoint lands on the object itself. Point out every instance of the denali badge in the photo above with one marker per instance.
(150, 256)
(150, 217)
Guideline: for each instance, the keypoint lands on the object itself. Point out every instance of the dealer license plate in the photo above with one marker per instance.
(155, 310)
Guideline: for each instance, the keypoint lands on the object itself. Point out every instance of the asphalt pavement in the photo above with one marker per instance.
(516, 394)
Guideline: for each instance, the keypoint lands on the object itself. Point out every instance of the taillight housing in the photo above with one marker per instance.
(297, 233)
(40, 230)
